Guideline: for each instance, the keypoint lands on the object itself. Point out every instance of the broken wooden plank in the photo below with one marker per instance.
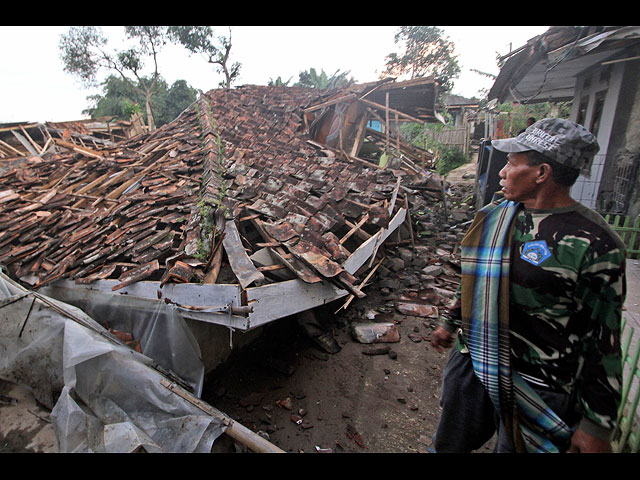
(212, 268)
(72, 146)
(391, 207)
(25, 143)
(354, 228)
(270, 268)
(315, 258)
(8, 195)
(362, 284)
(294, 265)
(392, 110)
(137, 177)
(364, 251)
(233, 429)
(18, 152)
(35, 145)
(387, 127)
(344, 98)
(359, 138)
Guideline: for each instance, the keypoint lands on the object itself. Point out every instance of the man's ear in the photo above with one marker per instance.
(544, 172)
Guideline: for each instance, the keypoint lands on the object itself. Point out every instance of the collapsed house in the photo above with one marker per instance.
(256, 203)
(21, 140)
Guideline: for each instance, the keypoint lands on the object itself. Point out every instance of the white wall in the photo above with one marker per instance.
(586, 189)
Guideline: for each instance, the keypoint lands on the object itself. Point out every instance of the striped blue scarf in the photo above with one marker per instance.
(485, 258)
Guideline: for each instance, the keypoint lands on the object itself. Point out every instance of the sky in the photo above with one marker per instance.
(35, 88)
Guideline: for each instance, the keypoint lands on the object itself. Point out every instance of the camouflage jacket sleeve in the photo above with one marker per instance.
(600, 296)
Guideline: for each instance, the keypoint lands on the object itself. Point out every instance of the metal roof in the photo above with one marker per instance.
(545, 69)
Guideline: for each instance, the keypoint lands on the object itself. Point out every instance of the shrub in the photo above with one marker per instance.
(448, 159)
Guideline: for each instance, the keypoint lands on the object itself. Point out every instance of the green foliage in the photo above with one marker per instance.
(449, 158)
(278, 82)
(177, 98)
(150, 38)
(118, 100)
(81, 52)
(423, 136)
(130, 108)
(518, 113)
(312, 79)
(84, 54)
(426, 53)
(207, 229)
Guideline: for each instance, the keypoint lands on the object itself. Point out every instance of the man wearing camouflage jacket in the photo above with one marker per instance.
(537, 317)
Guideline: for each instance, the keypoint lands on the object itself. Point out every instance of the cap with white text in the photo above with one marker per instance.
(566, 142)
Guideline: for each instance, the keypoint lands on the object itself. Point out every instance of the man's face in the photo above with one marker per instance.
(518, 178)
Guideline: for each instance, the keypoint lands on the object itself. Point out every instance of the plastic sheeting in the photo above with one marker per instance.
(159, 327)
(104, 396)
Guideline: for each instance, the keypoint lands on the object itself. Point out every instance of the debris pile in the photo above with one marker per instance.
(389, 329)
(239, 189)
(416, 277)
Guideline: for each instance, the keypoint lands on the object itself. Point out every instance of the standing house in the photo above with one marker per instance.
(251, 206)
(598, 69)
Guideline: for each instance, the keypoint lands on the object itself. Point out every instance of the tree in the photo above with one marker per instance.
(199, 40)
(426, 53)
(177, 98)
(84, 54)
(279, 82)
(312, 79)
(117, 100)
(513, 118)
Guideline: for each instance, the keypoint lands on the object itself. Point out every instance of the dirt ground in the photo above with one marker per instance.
(287, 388)
(24, 424)
(307, 400)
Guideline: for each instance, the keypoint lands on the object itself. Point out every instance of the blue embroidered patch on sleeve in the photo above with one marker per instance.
(535, 252)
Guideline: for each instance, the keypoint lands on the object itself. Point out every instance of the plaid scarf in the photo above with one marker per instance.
(485, 258)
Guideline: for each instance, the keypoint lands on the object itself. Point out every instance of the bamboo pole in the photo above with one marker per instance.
(386, 107)
(234, 429)
(386, 111)
(21, 154)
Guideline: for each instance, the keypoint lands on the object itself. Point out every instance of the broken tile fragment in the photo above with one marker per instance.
(374, 332)
(417, 309)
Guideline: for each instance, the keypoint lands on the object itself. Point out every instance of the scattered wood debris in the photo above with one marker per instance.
(250, 186)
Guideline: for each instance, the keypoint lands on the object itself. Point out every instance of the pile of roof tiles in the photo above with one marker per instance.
(236, 164)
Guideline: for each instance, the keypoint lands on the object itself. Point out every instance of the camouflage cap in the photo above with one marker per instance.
(566, 142)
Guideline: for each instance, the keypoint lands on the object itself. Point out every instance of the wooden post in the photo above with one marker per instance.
(397, 133)
(386, 112)
(235, 430)
(406, 205)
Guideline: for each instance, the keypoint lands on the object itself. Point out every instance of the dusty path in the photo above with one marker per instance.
(307, 400)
